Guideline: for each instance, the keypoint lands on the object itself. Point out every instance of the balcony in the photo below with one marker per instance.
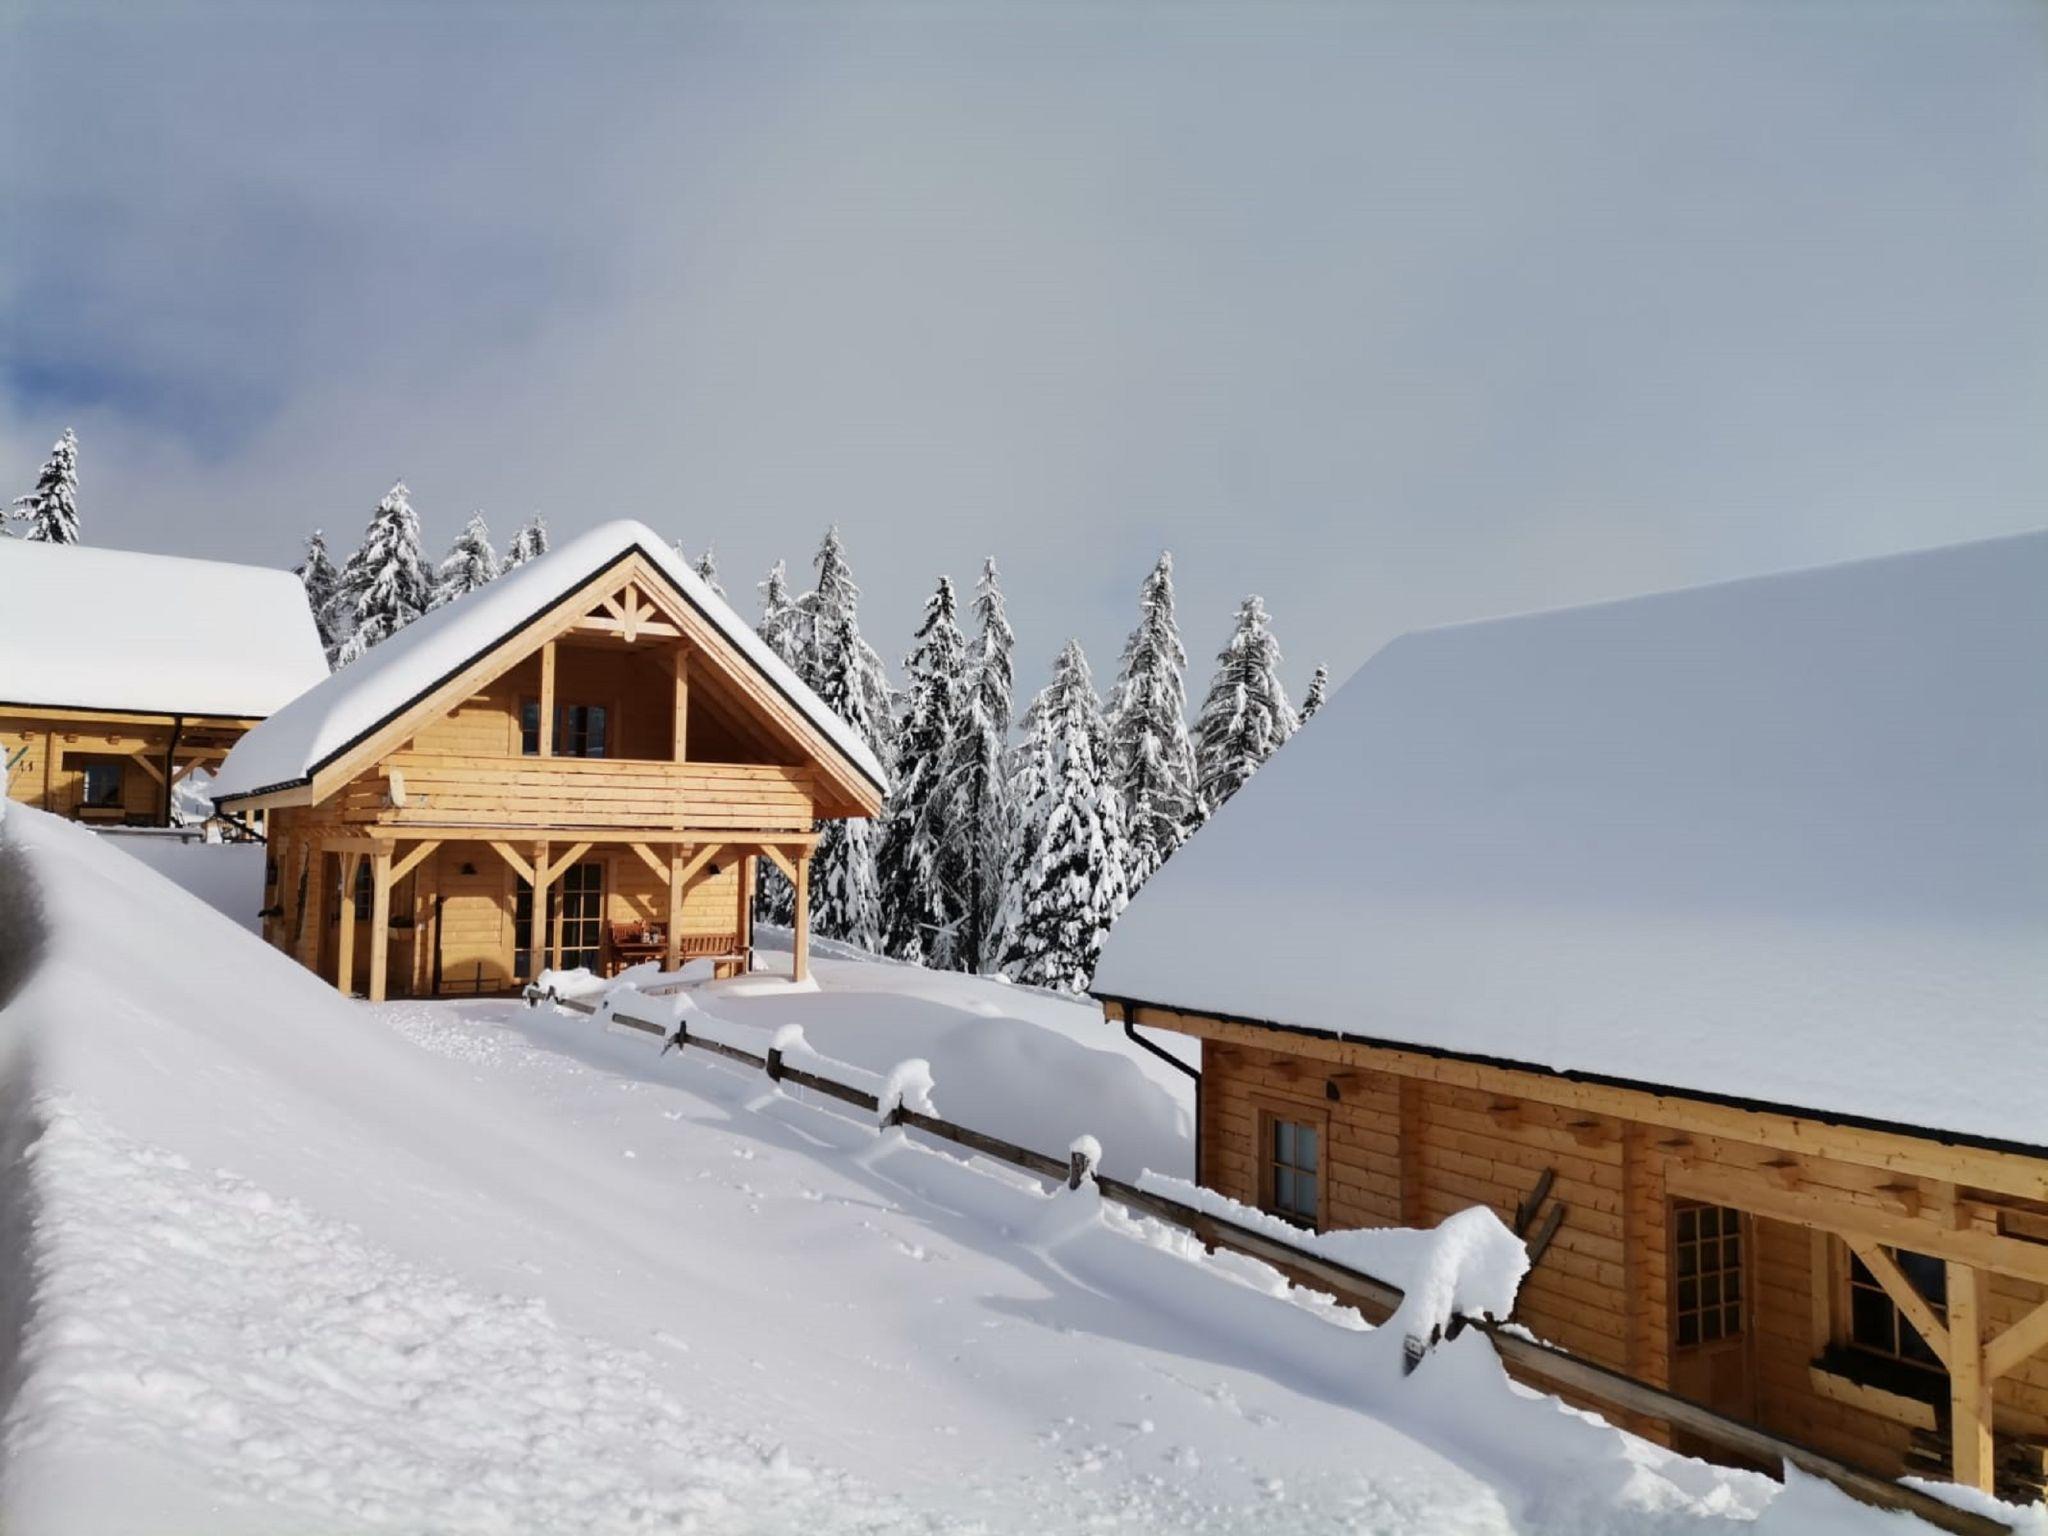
(537, 794)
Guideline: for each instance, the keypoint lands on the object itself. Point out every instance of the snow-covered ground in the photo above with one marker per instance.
(304, 1265)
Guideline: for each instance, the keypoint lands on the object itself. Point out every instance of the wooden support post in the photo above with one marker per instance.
(537, 926)
(680, 660)
(674, 958)
(345, 941)
(800, 958)
(547, 699)
(380, 921)
(312, 906)
(745, 872)
(1969, 1383)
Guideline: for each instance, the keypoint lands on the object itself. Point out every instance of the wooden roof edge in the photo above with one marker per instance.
(1845, 1119)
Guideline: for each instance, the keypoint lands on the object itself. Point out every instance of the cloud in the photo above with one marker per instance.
(1398, 315)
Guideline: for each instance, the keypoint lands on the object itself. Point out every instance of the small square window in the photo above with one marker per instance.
(1292, 1172)
(102, 784)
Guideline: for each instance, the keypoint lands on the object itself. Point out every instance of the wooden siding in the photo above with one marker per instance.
(567, 792)
(1401, 1150)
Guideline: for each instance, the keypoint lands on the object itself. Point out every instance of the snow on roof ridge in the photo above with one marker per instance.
(172, 634)
(333, 715)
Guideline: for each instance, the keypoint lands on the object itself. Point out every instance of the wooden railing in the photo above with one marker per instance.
(438, 790)
(1527, 1356)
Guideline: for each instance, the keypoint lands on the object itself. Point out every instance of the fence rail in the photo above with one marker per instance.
(1529, 1357)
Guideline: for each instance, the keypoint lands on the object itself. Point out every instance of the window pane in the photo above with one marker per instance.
(1929, 1276)
(1305, 1147)
(529, 727)
(1870, 1319)
(1688, 1329)
(1710, 1326)
(1305, 1193)
(1283, 1141)
(1688, 1295)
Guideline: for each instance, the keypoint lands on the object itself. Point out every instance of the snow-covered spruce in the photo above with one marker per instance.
(471, 562)
(51, 509)
(774, 897)
(707, 571)
(529, 543)
(1067, 881)
(919, 861)
(1153, 756)
(1318, 694)
(317, 574)
(844, 671)
(1246, 717)
(978, 775)
(386, 583)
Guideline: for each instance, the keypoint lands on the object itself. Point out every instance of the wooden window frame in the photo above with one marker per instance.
(1268, 1113)
(1701, 1310)
(86, 769)
(562, 708)
(1899, 1388)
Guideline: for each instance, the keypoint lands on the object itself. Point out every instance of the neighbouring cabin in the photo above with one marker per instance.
(586, 763)
(123, 674)
(1702, 937)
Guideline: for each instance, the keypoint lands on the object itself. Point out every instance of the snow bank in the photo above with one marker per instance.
(228, 877)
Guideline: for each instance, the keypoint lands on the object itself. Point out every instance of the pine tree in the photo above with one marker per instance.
(1246, 717)
(774, 897)
(843, 670)
(318, 576)
(1067, 880)
(471, 563)
(1154, 758)
(1318, 694)
(707, 571)
(386, 583)
(978, 775)
(921, 861)
(529, 543)
(51, 509)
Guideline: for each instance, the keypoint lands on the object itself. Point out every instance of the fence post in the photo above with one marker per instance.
(774, 1065)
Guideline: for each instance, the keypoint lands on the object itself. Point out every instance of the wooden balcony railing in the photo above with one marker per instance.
(529, 792)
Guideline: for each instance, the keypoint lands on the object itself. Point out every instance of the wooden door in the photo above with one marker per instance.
(1712, 1342)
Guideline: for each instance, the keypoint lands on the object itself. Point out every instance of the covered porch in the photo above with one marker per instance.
(466, 911)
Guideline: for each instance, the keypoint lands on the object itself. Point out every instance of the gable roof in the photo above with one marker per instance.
(1781, 841)
(126, 632)
(317, 728)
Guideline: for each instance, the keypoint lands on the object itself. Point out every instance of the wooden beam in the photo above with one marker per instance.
(800, 957)
(781, 861)
(705, 853)
(576, 851)
(537, 926)
(380, 922)
(1968, 1381)
(412, 860)
(1907, 1298)
(2018, 1344)
(674, 958)
(679, 662)
(1808, 1207)
(743, 905)
(547, 699)
(651, 859)
(143, 756)
(485, 832)
(345, 944)
(648, 629)
(511, 856)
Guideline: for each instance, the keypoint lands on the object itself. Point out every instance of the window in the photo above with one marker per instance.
(102, 786)
(1707, 1263)
(1292, 1160)
(1876, 1326)
(362, 891)
(576, 902)
(579, 729)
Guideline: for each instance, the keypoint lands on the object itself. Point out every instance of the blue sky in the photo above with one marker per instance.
(1396, 314)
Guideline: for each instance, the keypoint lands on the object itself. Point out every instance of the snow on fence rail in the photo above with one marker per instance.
(896, 1101)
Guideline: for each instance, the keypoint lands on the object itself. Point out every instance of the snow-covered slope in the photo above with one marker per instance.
(1765, 839)
(300, 1265)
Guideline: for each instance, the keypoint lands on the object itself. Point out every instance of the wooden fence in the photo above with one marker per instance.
(1530, 1358)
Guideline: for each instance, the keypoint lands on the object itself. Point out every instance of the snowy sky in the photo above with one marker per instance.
(1396, 314)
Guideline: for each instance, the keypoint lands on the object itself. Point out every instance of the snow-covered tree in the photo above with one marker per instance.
(51, 509)
(1067, 881)
(919, 862)
(1246, 716)
(1318, 694)
(774, 898)
(471, 563)
(844, 671)
(1154, 757)
(707, 570)
(386, 583)
(978, 775)
(529, 543)
(318, 576)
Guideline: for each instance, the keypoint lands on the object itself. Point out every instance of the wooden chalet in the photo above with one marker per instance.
(123, 673)
(584, 763)
(1704, 938)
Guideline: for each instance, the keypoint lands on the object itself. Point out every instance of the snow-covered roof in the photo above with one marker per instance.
(317, 727)
(1782, 841)
(117, 630)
